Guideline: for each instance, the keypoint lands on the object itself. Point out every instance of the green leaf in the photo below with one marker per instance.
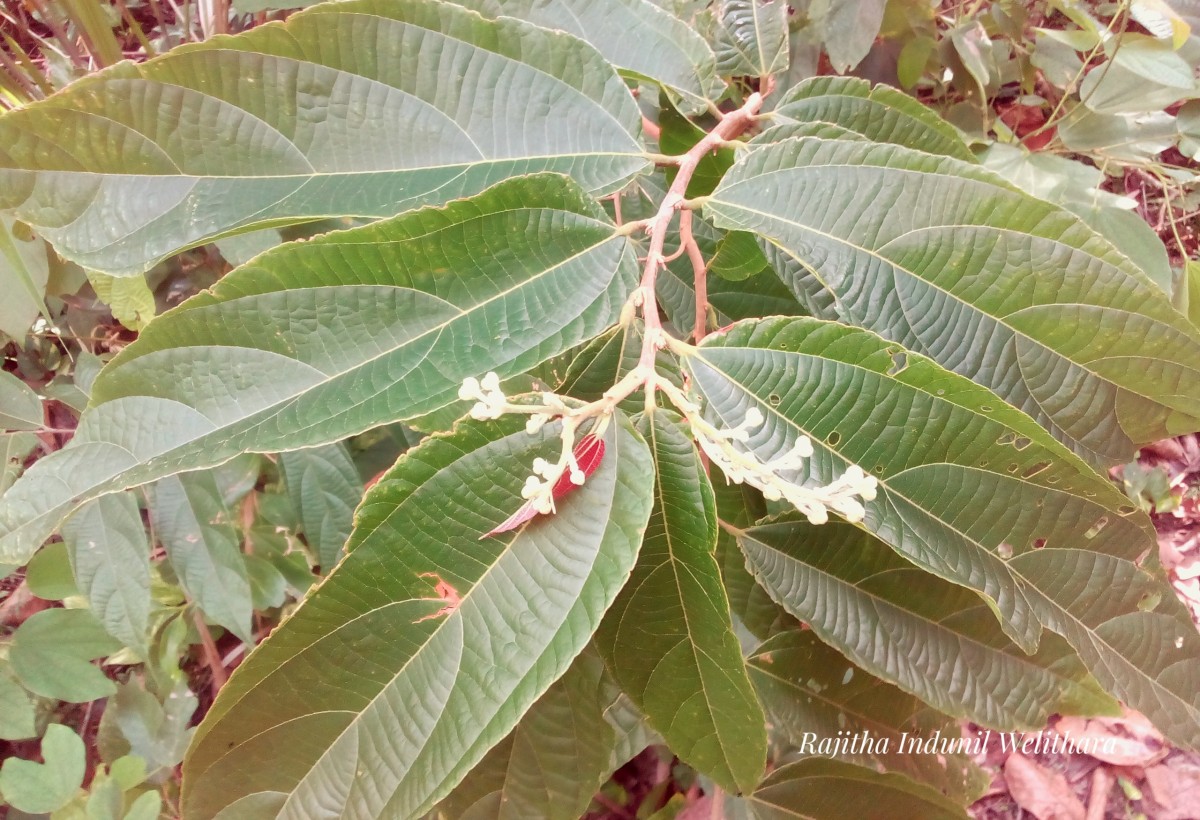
(601, 363)
(110, 557)
(972, 491)
(24, 271)
(20, 407)
(668, 639)
(14, 449)
(556, 758)
(812, 694)
(636, 36)
(147, 806)
(820, 789)
(880, 114)
(196, 529)
(48, 574)
(738, 257)
(129, 298)
(427, 643)
(932, 638)
(751, 37)
(422, 102)
(50, 653)
(950, 261)
(157, 732)
(18, 717)
(325, 488)
(739, 506)
(1143, 75)
(319, 340)
(40, 788)
(848, 29)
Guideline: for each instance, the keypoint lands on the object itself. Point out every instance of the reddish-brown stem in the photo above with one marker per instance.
(727, 129)
(211, 656)
(699, 274)
(651, 128)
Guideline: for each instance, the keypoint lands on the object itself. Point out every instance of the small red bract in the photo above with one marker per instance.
(589, 452)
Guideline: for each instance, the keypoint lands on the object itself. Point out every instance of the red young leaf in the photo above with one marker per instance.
(589, 452)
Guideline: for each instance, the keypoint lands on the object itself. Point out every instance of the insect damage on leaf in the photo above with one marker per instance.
(445, 592)
(586, 457)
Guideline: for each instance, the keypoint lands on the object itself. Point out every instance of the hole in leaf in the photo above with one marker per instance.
(985, 408)
(879, 469)
(1034, 469)
(1052, 479)
(899, 362)
(1021, 443)
(1012, 468)
(774, 399)
(941, 392)
(833, 438)
(1097, 527)
(1006, 438)
(1126, 509)
(1038, 543)
(1149, 601)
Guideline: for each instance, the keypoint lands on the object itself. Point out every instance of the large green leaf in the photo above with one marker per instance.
(932, 638)
(821, 789)
(739, 506)
(949, 260)
(364, 108)
(20, 407)
(636, 36)
(848, 28)
(879, 114)
(555, 759)
(813, 695)
(195, 526)
(110, 557)
(325, 488)
(751, 37)
(668, 638)
(427, 643)
(971, 490)
(318, 340)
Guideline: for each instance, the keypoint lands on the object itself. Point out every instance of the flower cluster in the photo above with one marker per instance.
(725, 447)
(743, 466)
(540, 491)
(490, 401)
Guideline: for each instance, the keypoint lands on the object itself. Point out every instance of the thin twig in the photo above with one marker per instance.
(211, 656)
(651, 128)
(687, 242)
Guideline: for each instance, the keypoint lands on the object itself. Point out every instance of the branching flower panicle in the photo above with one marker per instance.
(843, 496)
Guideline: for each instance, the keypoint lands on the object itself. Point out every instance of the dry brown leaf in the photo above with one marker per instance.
(1129, 740)
(1041, 792)
(1176, 789)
